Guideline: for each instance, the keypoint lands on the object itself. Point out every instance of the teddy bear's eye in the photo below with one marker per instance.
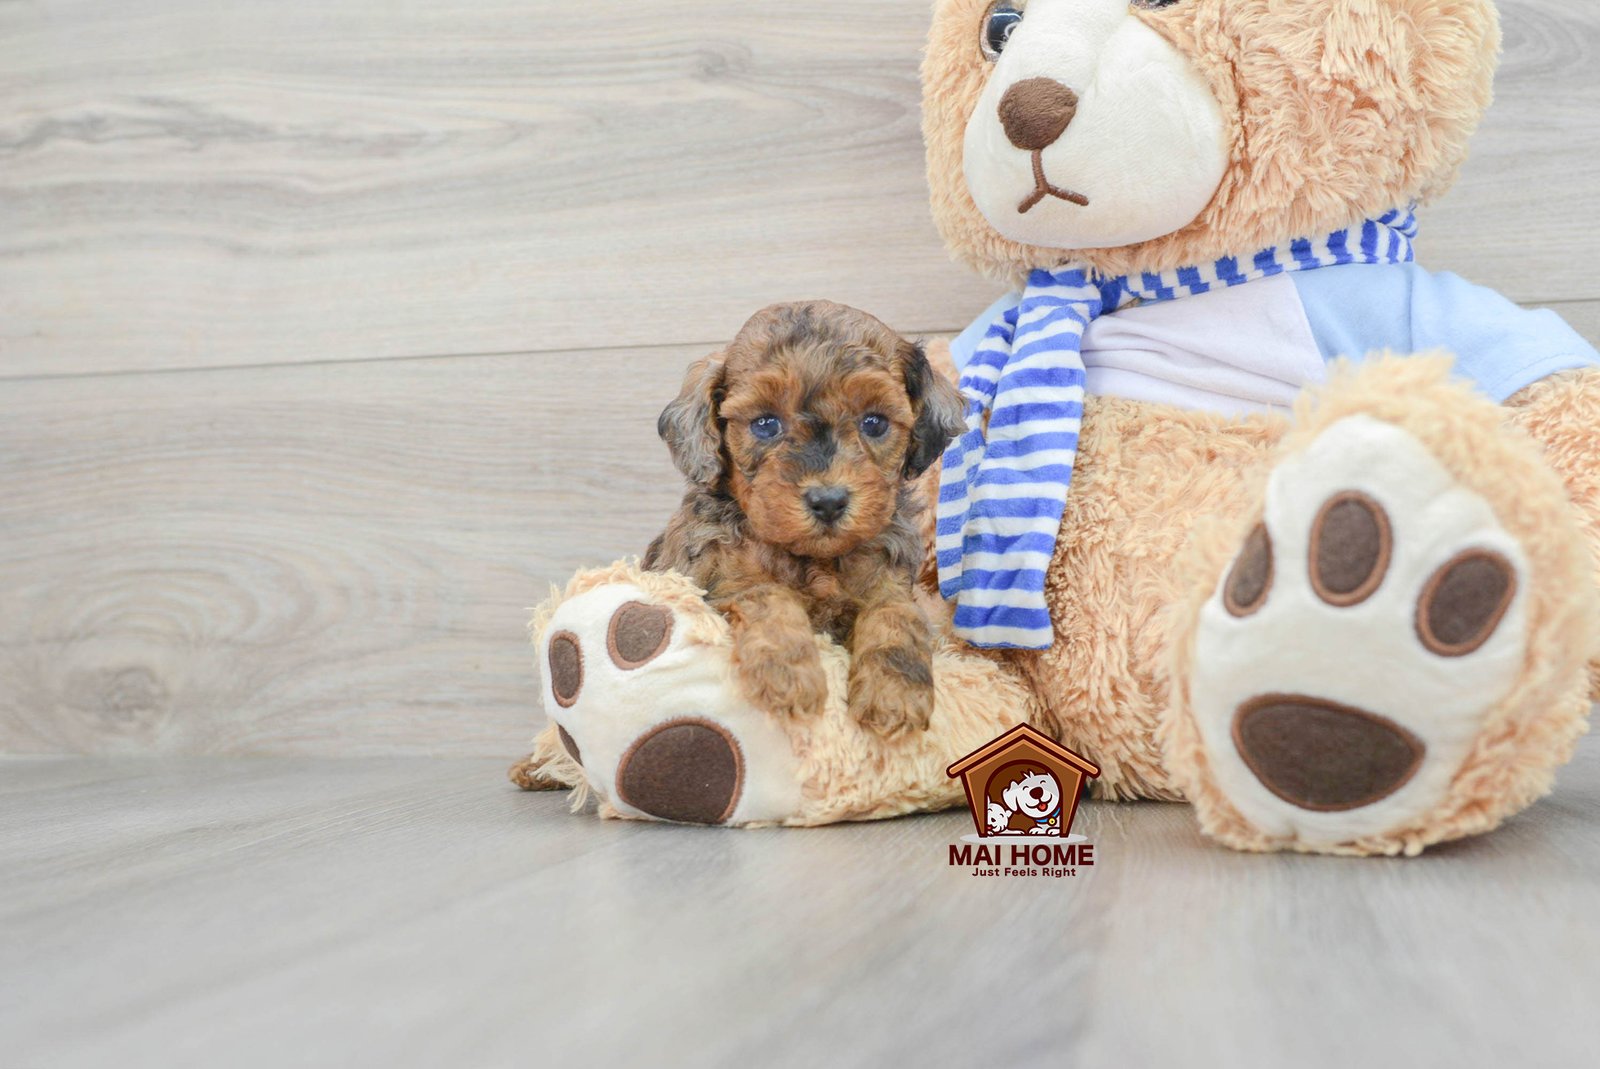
(999, 23)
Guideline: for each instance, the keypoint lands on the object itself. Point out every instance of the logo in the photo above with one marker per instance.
(1023, 789)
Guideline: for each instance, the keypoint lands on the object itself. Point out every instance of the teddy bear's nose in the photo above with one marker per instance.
(1036, 112)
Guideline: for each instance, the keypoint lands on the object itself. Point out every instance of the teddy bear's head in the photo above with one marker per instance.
(1134, 135)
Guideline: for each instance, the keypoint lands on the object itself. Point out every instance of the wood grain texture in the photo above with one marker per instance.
(311, 559)
(205, 183)
(1584, 317)
(222, 182)
(239, 513)
(414, 912)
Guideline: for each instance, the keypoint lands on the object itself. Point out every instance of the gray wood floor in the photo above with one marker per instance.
(418, 912)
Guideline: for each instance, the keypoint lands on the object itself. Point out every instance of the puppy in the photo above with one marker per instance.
(801, 442)
(1037, 796)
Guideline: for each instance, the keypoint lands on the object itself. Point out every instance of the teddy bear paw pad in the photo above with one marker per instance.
(1350, 656)
(689, 771)
(645, 702)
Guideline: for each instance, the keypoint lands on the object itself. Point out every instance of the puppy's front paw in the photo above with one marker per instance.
(781, 673)
(891, 691)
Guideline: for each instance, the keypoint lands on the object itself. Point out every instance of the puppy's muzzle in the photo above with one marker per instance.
(827, 503)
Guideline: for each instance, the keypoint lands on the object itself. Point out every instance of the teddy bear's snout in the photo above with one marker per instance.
(1036, 112)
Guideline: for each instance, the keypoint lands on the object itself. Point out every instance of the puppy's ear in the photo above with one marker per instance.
(939, 407)
(690, 425)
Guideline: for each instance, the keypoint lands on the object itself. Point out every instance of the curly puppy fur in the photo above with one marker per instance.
(812, 399)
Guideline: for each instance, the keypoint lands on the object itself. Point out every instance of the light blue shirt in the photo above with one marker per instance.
(1257, 345)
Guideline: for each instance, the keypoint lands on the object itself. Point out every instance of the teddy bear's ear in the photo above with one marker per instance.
(938, 406)
(690, 425)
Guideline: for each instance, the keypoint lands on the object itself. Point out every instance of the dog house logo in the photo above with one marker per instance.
(1023, 784)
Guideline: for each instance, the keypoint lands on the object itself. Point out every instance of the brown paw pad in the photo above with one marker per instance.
(638, 634)
(689, 771)
(1323, 756)
(1250, 580)
(569, 744)
(1464, 601)
(1351, 546)
(566, 668)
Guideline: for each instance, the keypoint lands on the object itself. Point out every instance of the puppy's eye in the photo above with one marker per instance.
(766, 427)
(1153, 5)
(874, 425)
(999, 23)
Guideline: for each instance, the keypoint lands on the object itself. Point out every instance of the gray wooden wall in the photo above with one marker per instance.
(331, 334)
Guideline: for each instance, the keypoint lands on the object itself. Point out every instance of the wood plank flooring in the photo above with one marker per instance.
(203, 183)
(416, 912)
(331, 559)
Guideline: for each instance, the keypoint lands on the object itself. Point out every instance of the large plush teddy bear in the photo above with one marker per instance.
(1342, 606)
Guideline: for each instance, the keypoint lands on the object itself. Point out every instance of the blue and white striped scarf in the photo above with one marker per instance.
(1002, 493)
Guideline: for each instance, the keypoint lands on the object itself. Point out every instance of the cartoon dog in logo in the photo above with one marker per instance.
(1034, 795)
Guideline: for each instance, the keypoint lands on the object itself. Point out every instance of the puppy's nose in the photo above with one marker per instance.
(1036, 112)
(827, 503)
(1038, 793)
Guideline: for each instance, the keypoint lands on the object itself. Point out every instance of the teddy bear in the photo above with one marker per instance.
(1250, 509)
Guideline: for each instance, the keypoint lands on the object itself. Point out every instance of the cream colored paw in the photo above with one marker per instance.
(1349, 660)
(637, 676)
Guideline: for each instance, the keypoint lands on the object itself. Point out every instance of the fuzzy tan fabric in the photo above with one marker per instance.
(1532, 729)
(849, 773)
(1562, 413)
(1145, 476)
(1337, 112)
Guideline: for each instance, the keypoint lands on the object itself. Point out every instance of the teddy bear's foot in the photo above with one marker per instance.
(648, 715)
(640, 689)
(1383, 663)
(1369, 624)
